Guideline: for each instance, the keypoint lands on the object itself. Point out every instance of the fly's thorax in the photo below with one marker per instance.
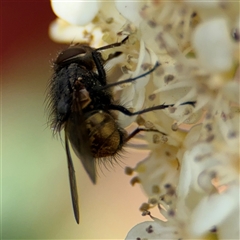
(106, 138)
(80, 54)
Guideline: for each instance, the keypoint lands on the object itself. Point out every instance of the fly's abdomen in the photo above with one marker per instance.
(105, 137)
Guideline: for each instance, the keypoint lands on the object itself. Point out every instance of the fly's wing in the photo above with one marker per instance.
(72, 180)
(77, 134)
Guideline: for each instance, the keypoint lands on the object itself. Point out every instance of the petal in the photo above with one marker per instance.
(61, 31)
(194, 163)
(214, 210)
(213, 45)
(229, 229)
(76, 13)
(151, 230)
(130, 10)
(231, 91)
(185, 177)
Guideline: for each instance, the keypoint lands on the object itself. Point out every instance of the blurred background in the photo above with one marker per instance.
(36, 200)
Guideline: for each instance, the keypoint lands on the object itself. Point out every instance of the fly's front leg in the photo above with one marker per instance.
(99, 62)
(117, 44)
(97, 57)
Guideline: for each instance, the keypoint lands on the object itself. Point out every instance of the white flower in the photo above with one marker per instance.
(82, 21)
(192, 172)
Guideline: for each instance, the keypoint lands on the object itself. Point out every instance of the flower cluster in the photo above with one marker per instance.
(192, 173)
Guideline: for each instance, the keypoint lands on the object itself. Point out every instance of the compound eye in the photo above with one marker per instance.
(70, 54)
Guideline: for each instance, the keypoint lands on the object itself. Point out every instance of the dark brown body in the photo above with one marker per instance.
(79, 106)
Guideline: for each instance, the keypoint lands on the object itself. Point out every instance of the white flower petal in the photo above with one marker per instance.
(76, 12)
(144, 58)
(130, 10)
(203, 4)
(192, 136)
(140, 231)
(231, 91)
(61, 31)
(151, 230)
(194, 171)
(229, 229)
(214, 210)
(213, 45)
(185, 177)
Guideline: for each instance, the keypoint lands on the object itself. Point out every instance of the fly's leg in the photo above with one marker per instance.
(158, 107)
(97, 57)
